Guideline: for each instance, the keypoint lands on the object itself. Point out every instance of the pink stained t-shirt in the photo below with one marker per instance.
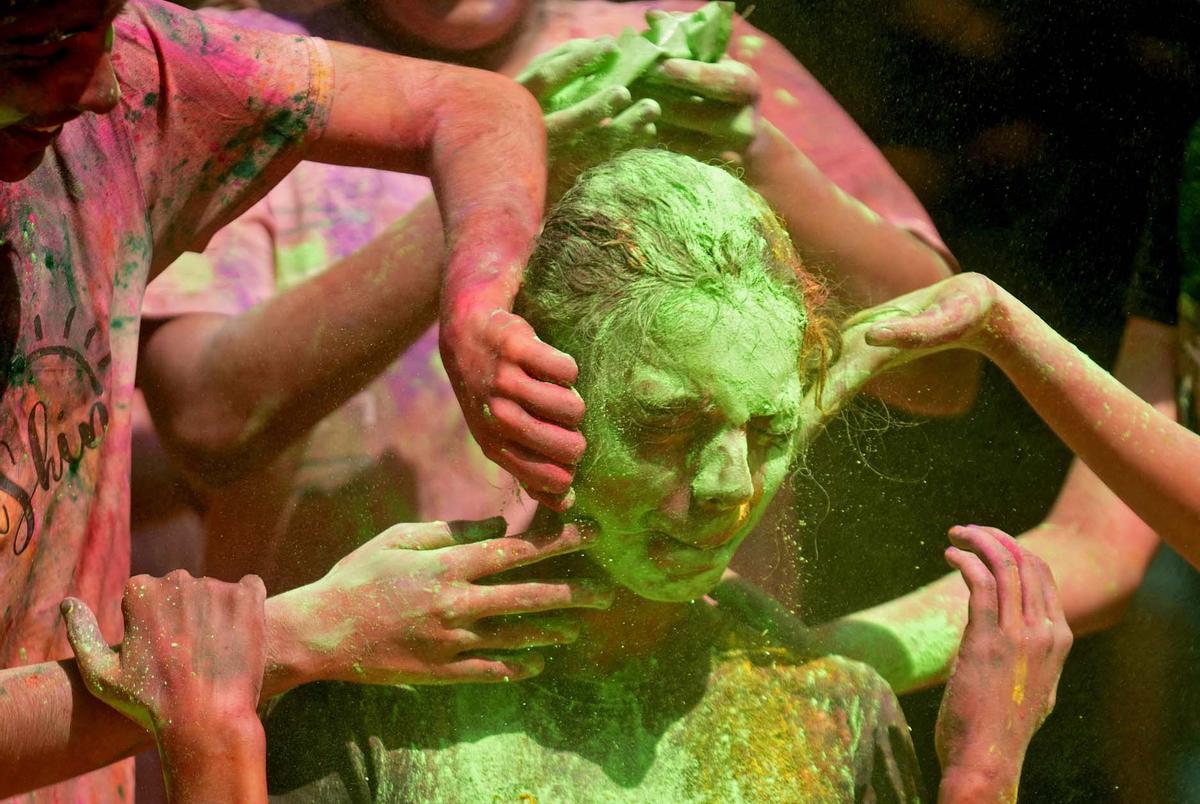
(400, 449)
(210, 117)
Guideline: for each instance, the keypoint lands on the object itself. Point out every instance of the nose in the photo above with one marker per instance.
(724, 482)
(102, 92)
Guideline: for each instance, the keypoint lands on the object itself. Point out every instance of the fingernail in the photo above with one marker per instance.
(883, 332)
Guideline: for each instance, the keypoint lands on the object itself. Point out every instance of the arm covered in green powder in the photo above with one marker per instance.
(1095, 544)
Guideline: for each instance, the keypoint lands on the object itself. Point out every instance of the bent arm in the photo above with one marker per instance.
(228, 393)
(1096, 546)
(477, 135)
(867, 260)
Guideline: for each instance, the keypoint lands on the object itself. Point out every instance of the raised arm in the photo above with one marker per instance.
(866, 258)
(1097, 548)
(481, 140)
(230, 392)
(1143, 455)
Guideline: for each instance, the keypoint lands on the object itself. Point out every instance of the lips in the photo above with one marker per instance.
(676, 559)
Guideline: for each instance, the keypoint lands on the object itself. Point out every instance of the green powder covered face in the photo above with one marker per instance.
(690, 436)
(676, 289)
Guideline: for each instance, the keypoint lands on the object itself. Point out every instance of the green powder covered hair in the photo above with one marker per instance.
(647, 228)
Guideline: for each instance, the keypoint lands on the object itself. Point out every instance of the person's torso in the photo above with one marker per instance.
(723, 726)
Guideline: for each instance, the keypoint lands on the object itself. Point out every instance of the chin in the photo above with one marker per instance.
(464, 25)
(665, 590)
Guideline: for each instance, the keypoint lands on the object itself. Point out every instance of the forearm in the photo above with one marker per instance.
(51, 728)
(912, 640)
(229, 393)
(871, 259)
(1096, 547)
(480, 138)
(1144, 456)
(222, 760)
(868, 260)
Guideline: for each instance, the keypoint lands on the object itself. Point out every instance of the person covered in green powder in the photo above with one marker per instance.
(1134, 480)
(703, 355)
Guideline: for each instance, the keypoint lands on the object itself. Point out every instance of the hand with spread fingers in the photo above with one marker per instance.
(190, 670)
(1006, 675)
(516, 395)
(414, 606)
(595, 128)
(709, 110)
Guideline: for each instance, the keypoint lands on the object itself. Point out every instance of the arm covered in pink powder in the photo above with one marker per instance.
(481, 140)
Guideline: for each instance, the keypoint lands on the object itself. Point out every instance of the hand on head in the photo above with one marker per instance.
(413, 606)
(1012, 653)
(516, 396)
(952, 314)
(594, 129)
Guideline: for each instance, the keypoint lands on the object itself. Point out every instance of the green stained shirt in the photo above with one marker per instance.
(716, 715)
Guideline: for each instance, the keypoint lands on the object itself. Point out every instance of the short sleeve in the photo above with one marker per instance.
(217, 115)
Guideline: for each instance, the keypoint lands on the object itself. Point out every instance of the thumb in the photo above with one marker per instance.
(97, 661)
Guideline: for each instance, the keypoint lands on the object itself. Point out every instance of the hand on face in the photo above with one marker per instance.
(595, 128)
(413, 606)
(1012, 653)
(193, 651)
(515, 392)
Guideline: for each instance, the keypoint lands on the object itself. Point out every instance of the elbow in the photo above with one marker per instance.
(209, 443)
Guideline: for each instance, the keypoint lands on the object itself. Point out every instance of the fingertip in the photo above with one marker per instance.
(880, 336)
(620, 96)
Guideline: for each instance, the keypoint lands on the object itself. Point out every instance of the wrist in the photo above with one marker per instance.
(291, 660)
(764, 158)
(970, 784)
(212, 737)
(468, 303)
(1006, 325)
(222, 759)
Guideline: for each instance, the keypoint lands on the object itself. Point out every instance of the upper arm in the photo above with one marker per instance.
(388, 111)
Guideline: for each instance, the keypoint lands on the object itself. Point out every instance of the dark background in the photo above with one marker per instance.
(1029, 129)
